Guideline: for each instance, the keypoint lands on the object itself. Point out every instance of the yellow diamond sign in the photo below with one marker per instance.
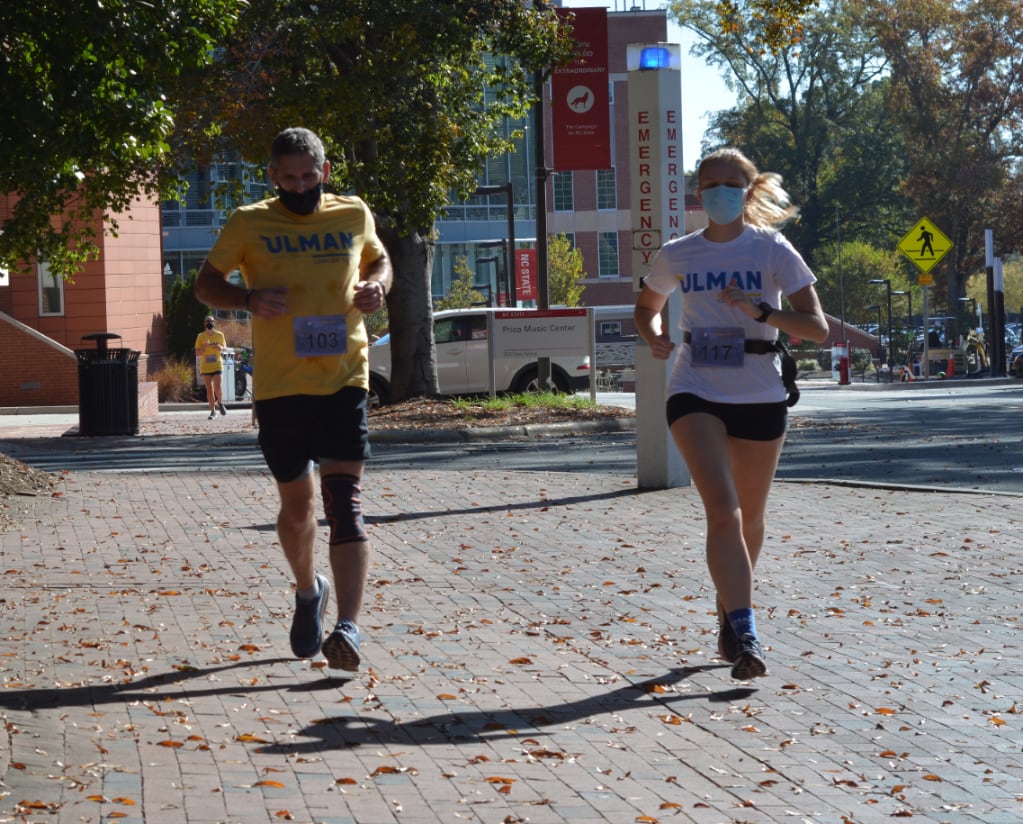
(925, 245)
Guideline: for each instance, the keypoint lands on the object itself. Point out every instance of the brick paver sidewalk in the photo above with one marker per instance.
(538, 647)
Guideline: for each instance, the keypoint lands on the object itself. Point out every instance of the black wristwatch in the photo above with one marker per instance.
(765, 311)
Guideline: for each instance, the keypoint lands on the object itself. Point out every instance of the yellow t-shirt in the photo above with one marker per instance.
(319, 346)
(210, 357)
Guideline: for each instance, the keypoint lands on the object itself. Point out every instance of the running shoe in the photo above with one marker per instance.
(341, 647)
(749, 660)
(307, 624)
(728, 643)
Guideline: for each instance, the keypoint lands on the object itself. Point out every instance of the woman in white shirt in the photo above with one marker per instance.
(727, 403)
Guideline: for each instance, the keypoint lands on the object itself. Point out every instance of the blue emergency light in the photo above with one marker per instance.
(654, 57)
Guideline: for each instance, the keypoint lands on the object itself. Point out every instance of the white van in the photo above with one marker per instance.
(463, 361)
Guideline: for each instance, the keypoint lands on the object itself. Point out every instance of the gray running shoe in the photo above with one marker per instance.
(307, 624)
(341, 647)
(728, 644)
(749, 662)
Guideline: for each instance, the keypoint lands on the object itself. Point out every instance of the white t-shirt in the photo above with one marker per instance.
(766, 266)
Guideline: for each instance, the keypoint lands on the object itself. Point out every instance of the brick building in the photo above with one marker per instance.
(44, 318)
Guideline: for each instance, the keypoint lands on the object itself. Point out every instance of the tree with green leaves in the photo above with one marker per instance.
(845, 273)
(815, 113)
(89, 112)
(410, 98)
(780, 21)
(1012, 274)
(957, 90)
(185, 315)
(463, 293)
(564, 271)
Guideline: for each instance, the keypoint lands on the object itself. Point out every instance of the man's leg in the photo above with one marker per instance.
(296, 528)
(349, 558)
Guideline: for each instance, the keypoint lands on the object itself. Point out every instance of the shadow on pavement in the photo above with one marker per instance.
(343, 732)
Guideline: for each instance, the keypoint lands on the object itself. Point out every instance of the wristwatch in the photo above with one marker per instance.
(765, 311)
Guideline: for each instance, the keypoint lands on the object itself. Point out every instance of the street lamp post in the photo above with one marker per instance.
(503, 282)
(491, 301)
(972, 309)
(909, 325)
(509, 262)
(880, 343)
(888, 284)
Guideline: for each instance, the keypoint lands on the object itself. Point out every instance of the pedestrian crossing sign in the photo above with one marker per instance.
(925, 244)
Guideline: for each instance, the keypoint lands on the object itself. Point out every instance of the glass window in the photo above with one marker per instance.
(445, 331)
(564, 201)
(479, 327)
(610, 328)
(51, 290)
(607, 191)
(608, 248)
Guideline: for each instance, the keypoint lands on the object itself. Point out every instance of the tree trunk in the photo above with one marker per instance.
(410, 314)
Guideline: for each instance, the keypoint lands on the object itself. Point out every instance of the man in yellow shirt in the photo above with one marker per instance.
(313, 266)
(209, 349)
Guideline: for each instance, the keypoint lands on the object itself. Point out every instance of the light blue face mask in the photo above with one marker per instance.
(723, 204)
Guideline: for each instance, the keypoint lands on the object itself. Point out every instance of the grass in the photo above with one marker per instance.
(528, 400)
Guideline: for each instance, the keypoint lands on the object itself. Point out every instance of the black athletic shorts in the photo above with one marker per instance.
(297, 429)
(752, 421)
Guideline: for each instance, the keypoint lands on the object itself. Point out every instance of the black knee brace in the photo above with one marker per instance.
(343, 508)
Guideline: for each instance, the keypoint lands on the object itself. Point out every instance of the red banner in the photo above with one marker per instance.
(525, 274)
(580, 98)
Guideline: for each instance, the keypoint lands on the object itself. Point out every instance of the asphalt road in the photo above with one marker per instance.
(958, 435)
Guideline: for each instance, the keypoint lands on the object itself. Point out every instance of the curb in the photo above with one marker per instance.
(489, 433)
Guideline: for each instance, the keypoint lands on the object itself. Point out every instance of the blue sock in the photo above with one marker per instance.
(743, 622)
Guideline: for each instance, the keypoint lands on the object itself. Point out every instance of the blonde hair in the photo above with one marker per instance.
(768, 204)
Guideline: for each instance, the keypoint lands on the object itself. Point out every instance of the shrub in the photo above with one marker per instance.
(175, 380)
(861, 360)
(808, 365)
(237, 331)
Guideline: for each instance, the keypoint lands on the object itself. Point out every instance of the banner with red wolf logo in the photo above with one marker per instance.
(580, 98)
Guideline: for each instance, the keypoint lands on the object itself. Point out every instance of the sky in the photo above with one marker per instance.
(703, 89)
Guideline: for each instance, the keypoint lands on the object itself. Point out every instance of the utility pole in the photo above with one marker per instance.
(543, 298)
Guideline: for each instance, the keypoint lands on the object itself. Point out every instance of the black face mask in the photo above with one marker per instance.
(209, 325)
(301, 203)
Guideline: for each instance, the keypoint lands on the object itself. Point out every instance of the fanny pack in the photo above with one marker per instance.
(770, 347)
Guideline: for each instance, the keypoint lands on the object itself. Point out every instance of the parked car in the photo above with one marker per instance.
(463, 368)
(1016, 361)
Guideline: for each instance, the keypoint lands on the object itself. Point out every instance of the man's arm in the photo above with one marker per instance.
(374, 286)
(214, 289)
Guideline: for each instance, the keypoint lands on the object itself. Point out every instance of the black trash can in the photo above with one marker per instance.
(108, 388)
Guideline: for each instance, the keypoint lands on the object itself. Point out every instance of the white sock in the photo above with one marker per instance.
(311, 593)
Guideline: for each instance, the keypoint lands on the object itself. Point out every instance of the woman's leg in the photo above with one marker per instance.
(733, 477)
(754, 464)
(218, 390)
(704, 444)
(208, 380)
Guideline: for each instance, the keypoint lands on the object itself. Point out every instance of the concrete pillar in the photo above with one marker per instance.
(658, 215)
(658, 462)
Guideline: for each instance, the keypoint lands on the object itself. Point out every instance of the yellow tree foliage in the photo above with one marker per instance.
(564, 271)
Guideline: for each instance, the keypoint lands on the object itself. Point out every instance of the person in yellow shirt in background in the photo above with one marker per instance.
(209, 348)
(313, 266)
